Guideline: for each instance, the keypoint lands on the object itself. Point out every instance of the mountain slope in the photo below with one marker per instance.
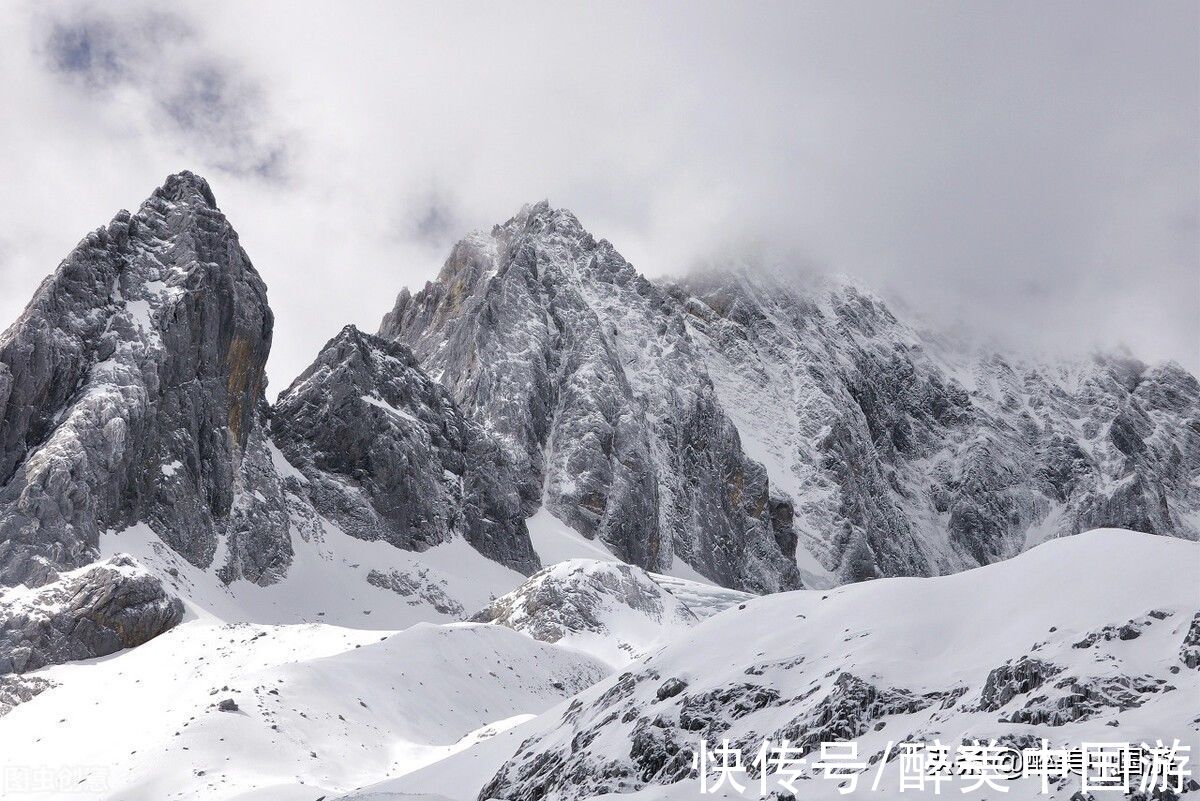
(316, 709)
(906, 457)
(1080, 639)
(131, 389)
(563, 353)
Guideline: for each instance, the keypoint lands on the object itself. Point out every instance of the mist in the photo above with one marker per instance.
(1025, 171)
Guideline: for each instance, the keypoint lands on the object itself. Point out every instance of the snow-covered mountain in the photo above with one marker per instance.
(1078, 640)
(586, 375)
(905, 456)
(131, 390)
(747, 410)
(225, 599)
(613, 611)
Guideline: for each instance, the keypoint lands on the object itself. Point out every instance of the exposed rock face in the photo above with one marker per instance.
(388, 456)
(583, 601)
(16, 690)
(905, 457)
(1083, 699)
(131, 389)
(630, 406)
(94, 611)
(419, 588)
(585, 373)
(1189, 651)
(1015, 678)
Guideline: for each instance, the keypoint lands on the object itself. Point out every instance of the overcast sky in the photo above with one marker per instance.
(1030, 170)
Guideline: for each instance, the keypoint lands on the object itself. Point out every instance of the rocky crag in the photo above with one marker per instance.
(389, 456)
(763, 433)
(586, 374)
(719, 419)
(131, 389)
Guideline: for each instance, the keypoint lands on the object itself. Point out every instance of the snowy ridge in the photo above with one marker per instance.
(1080, 639)
(613, 611)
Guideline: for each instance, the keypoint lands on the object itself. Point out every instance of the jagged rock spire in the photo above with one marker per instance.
(132, 389)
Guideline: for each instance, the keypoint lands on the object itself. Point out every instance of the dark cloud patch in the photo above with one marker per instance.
(87, 49)
(211, 104)
(205, 101)
(435, 223)
(102, 51)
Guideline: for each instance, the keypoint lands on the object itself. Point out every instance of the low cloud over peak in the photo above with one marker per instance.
(1031, 176)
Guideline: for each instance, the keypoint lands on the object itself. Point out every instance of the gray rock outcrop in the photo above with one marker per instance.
(92, 612)
(584, 595)
(131, 390)
(388, 456)
(586, 375)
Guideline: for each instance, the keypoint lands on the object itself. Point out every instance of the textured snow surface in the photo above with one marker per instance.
(893, 659)
(329, 581)
(319, 708)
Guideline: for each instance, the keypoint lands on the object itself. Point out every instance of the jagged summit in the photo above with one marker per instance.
(146, 347)
(541, 217)
(184, 186)
(883, 450)
(351, 342)
(584, 373)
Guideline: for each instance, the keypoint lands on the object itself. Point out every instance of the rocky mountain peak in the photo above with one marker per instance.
(542, 219)
(899, 452)
(388, 455)
(187, 187)
(146, 347)
(585, 375)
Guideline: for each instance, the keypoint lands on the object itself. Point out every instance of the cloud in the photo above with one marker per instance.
(1027, 170)
(158, 61)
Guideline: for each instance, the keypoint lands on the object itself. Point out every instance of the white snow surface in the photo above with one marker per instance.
(386, 706)
(321, 709)
(327, 581)
(554, 541)
(938, 634)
